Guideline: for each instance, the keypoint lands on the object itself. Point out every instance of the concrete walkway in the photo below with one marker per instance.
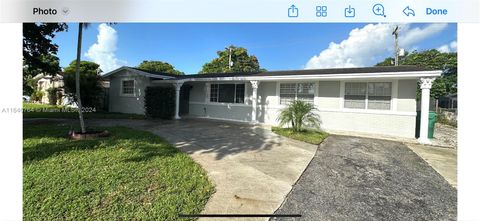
(443, 160)
(252, 168)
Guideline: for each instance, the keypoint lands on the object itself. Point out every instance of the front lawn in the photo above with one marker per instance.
(132, 175)
(308, 136)
(32, 110)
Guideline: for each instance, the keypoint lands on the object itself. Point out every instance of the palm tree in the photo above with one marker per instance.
(299, 114)
(77, 75)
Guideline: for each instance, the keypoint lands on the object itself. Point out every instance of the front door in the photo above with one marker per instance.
(184, 99)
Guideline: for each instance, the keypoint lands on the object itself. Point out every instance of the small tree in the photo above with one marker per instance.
(89, 82)
(299, 114)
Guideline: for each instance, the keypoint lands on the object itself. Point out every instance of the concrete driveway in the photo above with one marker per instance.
(252, 168)
(353, 178)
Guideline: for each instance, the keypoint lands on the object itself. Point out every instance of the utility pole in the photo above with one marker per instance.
(230, 64)
(397, 50)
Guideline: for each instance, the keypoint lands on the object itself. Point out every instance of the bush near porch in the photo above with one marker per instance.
(132, 175)
(300, 115)
(160, 102)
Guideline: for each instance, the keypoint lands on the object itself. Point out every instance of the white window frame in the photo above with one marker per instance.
(208, 91)
(393, 95)
(315, 89)
(134, 87)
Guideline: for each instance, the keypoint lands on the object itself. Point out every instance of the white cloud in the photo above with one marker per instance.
(365, 46)
(447, 48)
(103, 51)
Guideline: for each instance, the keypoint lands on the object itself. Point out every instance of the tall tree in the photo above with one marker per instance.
(38, 48)
(232, 60)
(433, 59)
(77, 76)
(159, 66)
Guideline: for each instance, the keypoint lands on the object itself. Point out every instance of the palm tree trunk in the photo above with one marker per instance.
(77, 77)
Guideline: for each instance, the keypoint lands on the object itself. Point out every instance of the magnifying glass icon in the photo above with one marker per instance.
(379, 10)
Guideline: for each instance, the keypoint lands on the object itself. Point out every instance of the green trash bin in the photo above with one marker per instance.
(432, 118)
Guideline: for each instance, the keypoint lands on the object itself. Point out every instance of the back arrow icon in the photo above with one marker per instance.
(408, 11)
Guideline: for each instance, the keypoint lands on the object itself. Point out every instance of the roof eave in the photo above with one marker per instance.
(379, 75)
(107, 75)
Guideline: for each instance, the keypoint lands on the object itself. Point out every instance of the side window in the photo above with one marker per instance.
(128, 87)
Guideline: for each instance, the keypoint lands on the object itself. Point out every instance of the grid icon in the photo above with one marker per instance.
(321, 11)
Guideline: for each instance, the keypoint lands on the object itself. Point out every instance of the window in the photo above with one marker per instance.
(296, 91)
(214, 93)
(227, 93)
(355, 95)
(379, 96)
(373, 95)
(128, 87)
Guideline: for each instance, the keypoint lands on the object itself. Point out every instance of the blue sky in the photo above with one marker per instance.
(277, 46)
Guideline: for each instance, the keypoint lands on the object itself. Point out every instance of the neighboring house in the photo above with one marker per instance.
(45, 82)
(378, 100)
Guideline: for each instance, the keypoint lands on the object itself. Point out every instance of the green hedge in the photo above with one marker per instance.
(160, 102)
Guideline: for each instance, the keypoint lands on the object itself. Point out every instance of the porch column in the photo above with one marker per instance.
(177, 85)
(254, 100)
(425, 85)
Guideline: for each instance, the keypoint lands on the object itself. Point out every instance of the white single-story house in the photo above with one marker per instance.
(377, 100)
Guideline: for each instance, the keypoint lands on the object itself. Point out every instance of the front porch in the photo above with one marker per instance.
(261, 101)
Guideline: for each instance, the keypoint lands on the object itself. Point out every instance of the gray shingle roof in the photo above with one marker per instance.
(378, 69)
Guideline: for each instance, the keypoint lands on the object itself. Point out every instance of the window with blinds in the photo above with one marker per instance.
(371, 95)
(296, 91)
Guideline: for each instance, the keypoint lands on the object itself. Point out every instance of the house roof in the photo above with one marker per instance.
(309, 73)
(378, 69)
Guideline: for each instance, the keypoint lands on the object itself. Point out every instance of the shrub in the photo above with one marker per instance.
(37, 96)
(299, 114)
(160, 102)
(52, 95)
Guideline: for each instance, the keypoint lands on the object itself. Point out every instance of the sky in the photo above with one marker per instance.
(278, 46)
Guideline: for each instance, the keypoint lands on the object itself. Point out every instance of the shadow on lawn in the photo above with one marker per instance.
(52, 141)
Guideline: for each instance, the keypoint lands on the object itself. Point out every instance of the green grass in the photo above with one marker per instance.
(308, 136)
(32, 110)
(132, 175)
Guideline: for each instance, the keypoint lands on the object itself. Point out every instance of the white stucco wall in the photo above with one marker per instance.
(201, 107)
(127, 104)
(407, 93)
(399, 121)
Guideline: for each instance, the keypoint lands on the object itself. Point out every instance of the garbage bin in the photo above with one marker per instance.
(432, 118)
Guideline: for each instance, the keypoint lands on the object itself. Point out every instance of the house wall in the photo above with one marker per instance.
(123, 103)
(407, 94)
(399, 121)
(328, 95)
(200, 106)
